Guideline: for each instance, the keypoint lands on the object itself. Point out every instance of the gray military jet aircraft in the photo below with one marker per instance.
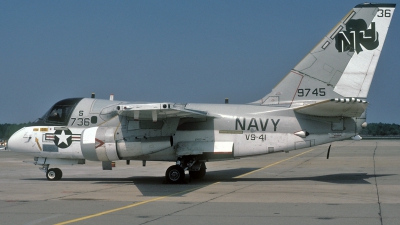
(322, 99)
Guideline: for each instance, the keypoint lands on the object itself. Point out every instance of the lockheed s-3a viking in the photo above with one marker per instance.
(322, 99)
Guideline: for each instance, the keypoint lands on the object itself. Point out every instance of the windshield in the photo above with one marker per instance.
(61, 111)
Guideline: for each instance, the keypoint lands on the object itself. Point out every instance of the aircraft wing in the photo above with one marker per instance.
(347, 107)
(155, 111)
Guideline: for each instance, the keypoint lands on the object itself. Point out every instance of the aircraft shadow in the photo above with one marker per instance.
(156, 186)
(340, 178)
(211, 176)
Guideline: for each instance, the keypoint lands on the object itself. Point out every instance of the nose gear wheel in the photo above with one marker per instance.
(53, 174)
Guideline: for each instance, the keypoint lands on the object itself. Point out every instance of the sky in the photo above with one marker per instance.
(169, 51)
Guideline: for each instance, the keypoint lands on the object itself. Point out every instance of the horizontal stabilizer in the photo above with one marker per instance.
(346, 107)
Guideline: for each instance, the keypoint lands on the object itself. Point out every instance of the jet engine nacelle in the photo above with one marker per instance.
(143, 146)
(99, 144)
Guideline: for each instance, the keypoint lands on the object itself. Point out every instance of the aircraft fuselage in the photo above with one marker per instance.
(239, 130)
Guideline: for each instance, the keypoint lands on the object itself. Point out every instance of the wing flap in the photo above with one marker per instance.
(346, 107)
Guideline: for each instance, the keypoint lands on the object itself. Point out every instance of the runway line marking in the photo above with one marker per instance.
(273, 164)
(128, 206)
(166, 196)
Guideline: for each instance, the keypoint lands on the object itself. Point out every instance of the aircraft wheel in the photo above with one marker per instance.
(198, 174)
(175, 174)
(54, 174)
(58, 173)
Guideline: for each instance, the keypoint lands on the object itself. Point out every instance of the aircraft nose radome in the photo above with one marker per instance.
(15, 143)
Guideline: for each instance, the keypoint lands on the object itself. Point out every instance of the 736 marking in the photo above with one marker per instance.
(81, 121)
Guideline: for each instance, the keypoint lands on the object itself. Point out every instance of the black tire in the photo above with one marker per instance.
(198, 174)
(175, 174)
(58, 173)
(53, 174)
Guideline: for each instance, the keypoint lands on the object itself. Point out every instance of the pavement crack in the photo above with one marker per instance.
(376, 185)
(200, 203)
(68, 195)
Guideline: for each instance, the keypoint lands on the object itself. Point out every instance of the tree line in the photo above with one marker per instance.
(6, 129)
(381, 129)
(373, 129)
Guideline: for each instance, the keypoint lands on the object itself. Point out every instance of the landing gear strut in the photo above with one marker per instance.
(200, 173)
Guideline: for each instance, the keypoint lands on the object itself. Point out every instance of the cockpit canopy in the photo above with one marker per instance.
(60, 113)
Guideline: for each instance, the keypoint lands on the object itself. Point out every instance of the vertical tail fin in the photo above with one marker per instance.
(342, 64)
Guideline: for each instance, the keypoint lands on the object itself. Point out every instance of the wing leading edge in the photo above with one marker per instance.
(155, 111)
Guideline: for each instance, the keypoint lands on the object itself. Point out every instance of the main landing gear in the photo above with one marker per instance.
(53, 173)
(176, 174)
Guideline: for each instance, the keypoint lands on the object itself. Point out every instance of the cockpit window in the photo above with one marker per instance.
(59, 114)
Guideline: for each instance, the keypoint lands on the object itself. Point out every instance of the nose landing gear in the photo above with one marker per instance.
(53, 173)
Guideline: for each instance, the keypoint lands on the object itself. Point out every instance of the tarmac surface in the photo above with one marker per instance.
(359, 184)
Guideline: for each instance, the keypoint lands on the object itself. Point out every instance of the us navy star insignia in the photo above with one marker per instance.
(63, 138)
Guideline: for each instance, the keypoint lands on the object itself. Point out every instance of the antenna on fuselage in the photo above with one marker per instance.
(111, 97)
(93, 95)
(226, 100)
